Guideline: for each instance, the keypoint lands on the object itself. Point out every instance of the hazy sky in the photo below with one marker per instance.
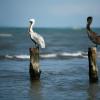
(49, 13)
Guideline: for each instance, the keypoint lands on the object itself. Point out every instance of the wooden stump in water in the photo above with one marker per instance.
(93, 70)
(34, 69)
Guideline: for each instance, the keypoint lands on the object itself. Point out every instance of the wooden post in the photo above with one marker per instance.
(93, 70)
(34, 69)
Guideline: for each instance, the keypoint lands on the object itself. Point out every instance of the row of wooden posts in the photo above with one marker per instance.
(35, 72)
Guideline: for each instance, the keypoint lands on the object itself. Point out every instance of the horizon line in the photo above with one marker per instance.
(45, 27)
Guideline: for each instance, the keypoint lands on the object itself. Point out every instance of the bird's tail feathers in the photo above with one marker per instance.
(43, 46)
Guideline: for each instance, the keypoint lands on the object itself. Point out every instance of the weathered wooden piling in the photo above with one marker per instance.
(93, 70)
(34, 69)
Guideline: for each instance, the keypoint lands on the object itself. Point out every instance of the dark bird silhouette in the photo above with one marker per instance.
(92, 35)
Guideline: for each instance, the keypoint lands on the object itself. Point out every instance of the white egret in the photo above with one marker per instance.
(35, 37)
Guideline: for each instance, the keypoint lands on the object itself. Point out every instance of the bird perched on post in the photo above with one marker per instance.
(92, 35)
(35, 37)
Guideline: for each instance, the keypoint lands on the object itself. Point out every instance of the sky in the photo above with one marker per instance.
(49, 13)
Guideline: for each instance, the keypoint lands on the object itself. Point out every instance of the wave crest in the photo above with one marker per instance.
(5, 35)
(63, 55)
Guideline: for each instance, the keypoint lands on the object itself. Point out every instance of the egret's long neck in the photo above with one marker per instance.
(30, 27)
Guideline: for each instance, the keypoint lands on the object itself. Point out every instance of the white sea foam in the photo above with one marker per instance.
(71, 54)
(22, 56)
(9, 57)
(5, 35)
(17, 56)
(51, 55)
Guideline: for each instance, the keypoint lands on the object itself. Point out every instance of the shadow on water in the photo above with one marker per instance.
(93, 90)
(35, 90)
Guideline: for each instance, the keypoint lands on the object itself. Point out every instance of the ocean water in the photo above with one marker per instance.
(64, 65)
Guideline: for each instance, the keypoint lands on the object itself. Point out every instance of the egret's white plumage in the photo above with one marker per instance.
(35, 37)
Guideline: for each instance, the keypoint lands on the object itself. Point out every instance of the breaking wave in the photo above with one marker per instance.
(63, 55)
(5, 35)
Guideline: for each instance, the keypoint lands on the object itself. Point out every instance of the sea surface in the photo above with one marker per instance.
(64, 65)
